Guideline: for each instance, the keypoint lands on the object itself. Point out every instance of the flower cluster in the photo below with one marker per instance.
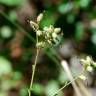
(46, 36)
(88, 64)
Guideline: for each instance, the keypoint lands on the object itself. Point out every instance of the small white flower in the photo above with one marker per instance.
(40, 44)
(33, 25)
(88, 59)
(94, 63)
(39, 32)
(89, 69)
(49, 29)
(83, 62)
(49, 41)
(48, 35)
(39, 18)
(45, 28)
(57, 30)
(82, 77)
(54, 35)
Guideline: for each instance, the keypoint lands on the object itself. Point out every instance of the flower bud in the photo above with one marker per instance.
(54, 35)
(82, 77)
(39, 32)
(33, 25)
(39, 18)
(49, 41)
(89, 59)
(48, 29)
(94, 63)
(40, 44)
(89, 69)
(86, 61)
(45, 28)
(57, 30)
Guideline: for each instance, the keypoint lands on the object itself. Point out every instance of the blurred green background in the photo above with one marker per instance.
(76, 18)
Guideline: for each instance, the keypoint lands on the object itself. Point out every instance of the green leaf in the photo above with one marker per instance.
(17, 76)
(24, 91)
(6, 32)
(93, 38)
(5, 66)
(37, 88)
(11, 2)
(79, 31)
(51, 88)
(12, 15)
(84, 3)
(64, 8)
(71, 18)
(63, 77)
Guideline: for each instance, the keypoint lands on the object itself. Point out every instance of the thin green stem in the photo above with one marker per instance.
(34, 69)
(66, 84)
(33, 72)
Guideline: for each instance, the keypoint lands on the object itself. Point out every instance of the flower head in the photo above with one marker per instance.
(88, 64)
(46, 36)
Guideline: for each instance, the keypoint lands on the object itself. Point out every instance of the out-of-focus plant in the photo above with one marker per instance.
(88, 64)
(6, 32)
(11, 2)
(48, 36)
(10, 79)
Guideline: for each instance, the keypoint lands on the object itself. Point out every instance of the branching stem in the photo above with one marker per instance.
(66, 84)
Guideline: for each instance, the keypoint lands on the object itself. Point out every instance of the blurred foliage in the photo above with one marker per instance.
(11, 2)
(76, 18)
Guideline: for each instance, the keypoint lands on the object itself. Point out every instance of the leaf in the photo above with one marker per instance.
(37, 88)
(93, 38)
(79, 31)
(5, 66)
(6, 32)
(11, 2)
(51, 88)
(84, 3)
(64, 8)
